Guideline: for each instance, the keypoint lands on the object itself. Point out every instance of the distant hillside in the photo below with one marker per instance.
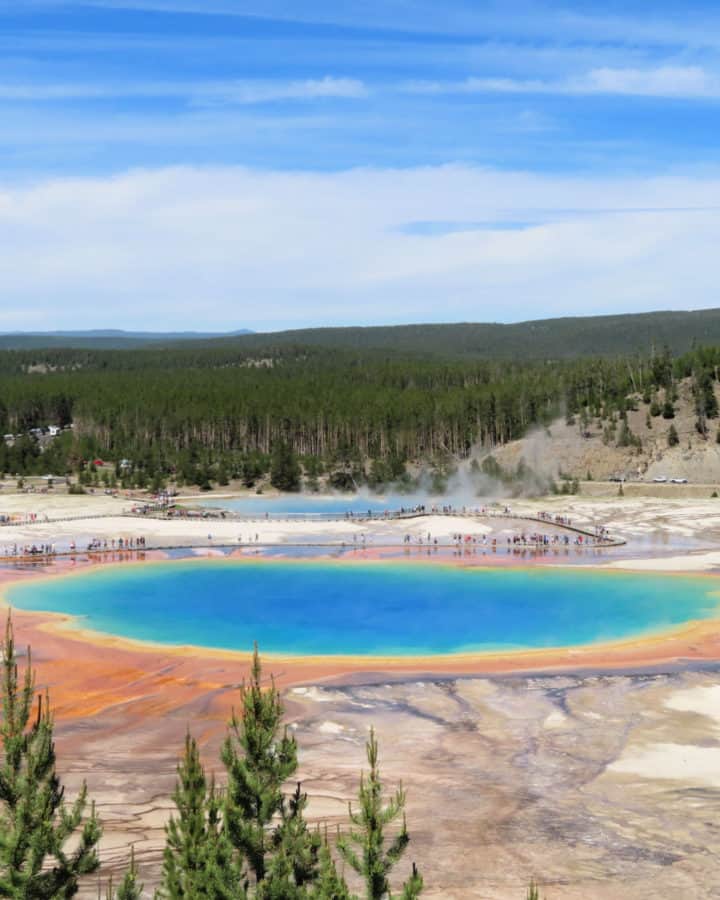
(107, 339)
(555, 339)
(564, 338)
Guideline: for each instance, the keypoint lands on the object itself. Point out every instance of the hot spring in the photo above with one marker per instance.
(323, 608)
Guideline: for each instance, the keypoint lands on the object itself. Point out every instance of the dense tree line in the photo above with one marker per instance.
(564, 338)
(208, 415)
(243, 840)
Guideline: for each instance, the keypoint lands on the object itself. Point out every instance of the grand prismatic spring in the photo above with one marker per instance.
(317, 608)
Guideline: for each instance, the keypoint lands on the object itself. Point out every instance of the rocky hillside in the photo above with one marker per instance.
(604, 449)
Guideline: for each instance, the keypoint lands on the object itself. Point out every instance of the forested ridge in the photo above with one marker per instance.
(203, 413)
(563, 338)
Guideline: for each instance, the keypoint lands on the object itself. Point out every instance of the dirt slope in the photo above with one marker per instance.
(577, 451)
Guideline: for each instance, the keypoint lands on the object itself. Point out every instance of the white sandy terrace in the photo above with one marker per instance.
(687, 764)
(689, 527)
(178, 532)
(689, 562)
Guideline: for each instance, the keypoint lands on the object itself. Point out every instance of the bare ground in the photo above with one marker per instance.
(581, 781)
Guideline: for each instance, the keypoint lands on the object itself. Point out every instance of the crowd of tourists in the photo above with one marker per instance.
(540, 539)
(600, 532)
(25, 519)
(95, 545)
(555, 519)
(447, 509)
(127, 543)
(28, 550)
(531, 539)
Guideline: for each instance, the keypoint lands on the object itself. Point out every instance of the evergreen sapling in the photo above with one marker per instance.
(365, 847)
(35, 822)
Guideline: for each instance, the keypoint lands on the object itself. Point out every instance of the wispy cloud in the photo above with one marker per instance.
(694, 23)
(105, 85)
(413, 16)
(666, 81)
(683, 82)
(209, 92)
(433, 229)
(535, 218)
(265, 92)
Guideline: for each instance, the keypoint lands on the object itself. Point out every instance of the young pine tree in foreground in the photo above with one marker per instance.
(35, 823)
(198, 859)
(266, 831)
(329, 885)
(365, 847)
(294, 864)
(130, 888)
(533, 891)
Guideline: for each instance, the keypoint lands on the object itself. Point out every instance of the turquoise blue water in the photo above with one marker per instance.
(308, 505)
(396, 609)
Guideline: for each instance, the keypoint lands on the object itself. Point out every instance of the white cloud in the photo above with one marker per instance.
(688, 82)
(665, 81)
(222, 248)
(263, 92)
(210, 92)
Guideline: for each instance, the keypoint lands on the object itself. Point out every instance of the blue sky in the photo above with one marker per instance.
(398, 160)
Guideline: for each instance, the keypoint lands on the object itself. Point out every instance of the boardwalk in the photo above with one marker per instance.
(590, 538)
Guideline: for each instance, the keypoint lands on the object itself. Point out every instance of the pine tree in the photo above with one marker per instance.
(35, 822)
(285, 470)
(259, 760)
(673, 438)
(294, 863)
(130, 888)
(413, 886)
(329, 885)
(198, 856)
(203, 478)
(374, 859)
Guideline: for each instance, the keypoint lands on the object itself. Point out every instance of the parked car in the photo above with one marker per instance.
(660, 479)
(679, 480)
